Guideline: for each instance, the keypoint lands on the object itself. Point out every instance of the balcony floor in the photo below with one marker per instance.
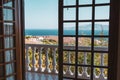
(40, 76)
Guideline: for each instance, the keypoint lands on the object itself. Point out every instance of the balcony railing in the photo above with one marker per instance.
(43, 60)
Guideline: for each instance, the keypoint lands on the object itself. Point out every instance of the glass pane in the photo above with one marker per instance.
(9, 55)
(69, 57)
(81, 2)
(105, 59)
(9, 42)
(69, 43)
(8, 14)
(100, 59)
(84, 58)
(105, 73)
(11, 78)
(69, 29)
(80, 58)
(85, 28)
(68, 71)
(1, 71)
(10, 68)
(85, 13)
(84, 73)
(1, 57)
(101, 44)
(1, 43)
(8, 3)
(102, 12)
(97, 72)
(100, 73)
(101, 28)
(69, 14)
(8, 28)
(84, 43)
(97, 59)
(101, 1)
(69, 2)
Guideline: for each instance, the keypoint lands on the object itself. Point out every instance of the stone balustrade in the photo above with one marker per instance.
(43, 59)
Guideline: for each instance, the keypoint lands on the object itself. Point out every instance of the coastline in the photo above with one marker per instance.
(38, 39)
(53, 40)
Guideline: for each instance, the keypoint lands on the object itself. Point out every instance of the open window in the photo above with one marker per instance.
(83, 61)
(89, 56)
(10, 40)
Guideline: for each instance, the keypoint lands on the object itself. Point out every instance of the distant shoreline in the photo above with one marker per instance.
(53, 40)
(38, 39)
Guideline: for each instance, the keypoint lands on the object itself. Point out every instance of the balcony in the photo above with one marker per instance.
(42, 63)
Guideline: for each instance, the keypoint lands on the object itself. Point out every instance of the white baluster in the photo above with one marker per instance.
(85, 74)
(40, 60)
(69, 67)
(101, 69)
(27, 59)
(54, 61)
(33, 59)
(27, 63)
(79, 74)
(47, 69)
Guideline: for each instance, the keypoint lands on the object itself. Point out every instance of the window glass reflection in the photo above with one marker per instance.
(69, 29)
(101, 28)
(84, 2)
(85, 28)
(69, 2)
(8, 3)
(10, 69)
(102, 12)
(8, 14)
(101, 44)
(85, 13)
(9, 42)
(8, 28)
(69, 14)
(9, 55)
(11, 78)
(101, 1)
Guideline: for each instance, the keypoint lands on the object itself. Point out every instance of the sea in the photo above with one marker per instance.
(54, 32)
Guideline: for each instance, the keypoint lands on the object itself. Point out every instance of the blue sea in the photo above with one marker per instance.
(41, 32)
(54, 32)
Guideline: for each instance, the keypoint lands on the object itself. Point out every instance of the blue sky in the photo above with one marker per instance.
(43, 14)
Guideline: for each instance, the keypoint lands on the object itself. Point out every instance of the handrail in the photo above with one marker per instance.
(42, 58)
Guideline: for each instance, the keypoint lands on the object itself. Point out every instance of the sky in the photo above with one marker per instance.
(43, 14)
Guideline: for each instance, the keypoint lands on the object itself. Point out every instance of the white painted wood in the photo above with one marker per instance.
(54, 61)
(47, 69)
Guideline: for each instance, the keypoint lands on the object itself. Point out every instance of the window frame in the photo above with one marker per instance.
(22, 38)
(19, 38)
(114, 61)
(114, 37)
